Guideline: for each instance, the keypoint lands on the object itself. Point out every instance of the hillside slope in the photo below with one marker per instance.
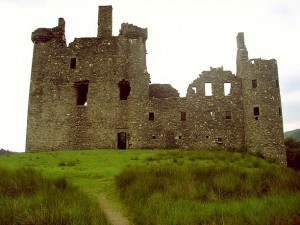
(295, 134)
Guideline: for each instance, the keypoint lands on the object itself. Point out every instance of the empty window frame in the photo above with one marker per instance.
(151, 115)
(208, 89)
(228, 115)
(254, 83)
(194, 90)
(82, 88)
(227, 88)
(219, 140)
(125, 88)
(279, 111)
(73, 63)
(212, 115)
(256, 111)
(183, 116)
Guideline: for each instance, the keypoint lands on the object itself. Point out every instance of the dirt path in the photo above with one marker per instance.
(112, 213)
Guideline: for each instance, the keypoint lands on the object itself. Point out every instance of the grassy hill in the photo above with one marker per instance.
(176, 187)
(295, 134)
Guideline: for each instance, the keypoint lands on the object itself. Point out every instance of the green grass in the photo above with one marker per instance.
(28, 198)
(197, 188)
(177, 187)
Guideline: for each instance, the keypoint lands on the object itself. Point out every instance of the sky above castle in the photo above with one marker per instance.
(185, 37)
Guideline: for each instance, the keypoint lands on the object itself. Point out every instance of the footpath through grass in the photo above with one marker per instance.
(175, 186)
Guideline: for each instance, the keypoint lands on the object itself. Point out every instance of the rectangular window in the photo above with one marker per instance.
(212, 115)
(208, 89)
(227, 88)
(280, 111)
(194, 89)
(82, 91)
(73, 63)
(254, 83)
(219, 141)
(256, 111)
(151, 115)
(228, 115)
(183, 116)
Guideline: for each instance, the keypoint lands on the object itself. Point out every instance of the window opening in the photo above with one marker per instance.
(219, 141)
(153, 137)
(82, 91)
(254, 83)
(125, 88)
(212, 115)
(179, 137)
(280, 111)
(183, 116)
(151, 115)
(256, 111)
(227, 88)
(208, 89)
(194, 89)
(277, 83)
(228, 115)
(206, 136)
(73, 63)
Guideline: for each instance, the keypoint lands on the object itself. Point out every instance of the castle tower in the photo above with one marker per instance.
(262, 104)
(44, 83)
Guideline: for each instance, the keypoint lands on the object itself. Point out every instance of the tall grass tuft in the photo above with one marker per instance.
(243, 192)
(28, 198)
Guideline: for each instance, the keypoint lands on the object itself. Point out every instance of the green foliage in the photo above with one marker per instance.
(231, 188)
(292, 153)
(28, 198)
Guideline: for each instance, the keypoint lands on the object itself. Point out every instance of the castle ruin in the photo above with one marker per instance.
(95, 93)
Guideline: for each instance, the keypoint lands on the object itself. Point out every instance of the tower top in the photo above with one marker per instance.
(240, 41)
(105, 21)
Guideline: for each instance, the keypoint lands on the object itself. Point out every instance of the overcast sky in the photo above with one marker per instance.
(185, 37)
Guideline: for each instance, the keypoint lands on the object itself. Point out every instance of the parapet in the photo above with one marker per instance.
(133, 32)
(43, 35)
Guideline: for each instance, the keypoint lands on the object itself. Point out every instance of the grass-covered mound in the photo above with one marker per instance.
(26, 198)
(210, 188)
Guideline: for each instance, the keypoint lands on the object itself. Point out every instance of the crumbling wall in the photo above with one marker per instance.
(262, 109)
(162, 91)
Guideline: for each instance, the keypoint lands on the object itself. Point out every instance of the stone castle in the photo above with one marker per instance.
(95, 93)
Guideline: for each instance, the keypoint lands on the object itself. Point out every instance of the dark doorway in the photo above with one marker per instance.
(122, 140)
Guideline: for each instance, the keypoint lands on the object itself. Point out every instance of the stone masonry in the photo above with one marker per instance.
(95, 93)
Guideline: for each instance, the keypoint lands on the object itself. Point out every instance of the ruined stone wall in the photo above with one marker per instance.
(94, 66)
(95, 94)
(262, 109)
